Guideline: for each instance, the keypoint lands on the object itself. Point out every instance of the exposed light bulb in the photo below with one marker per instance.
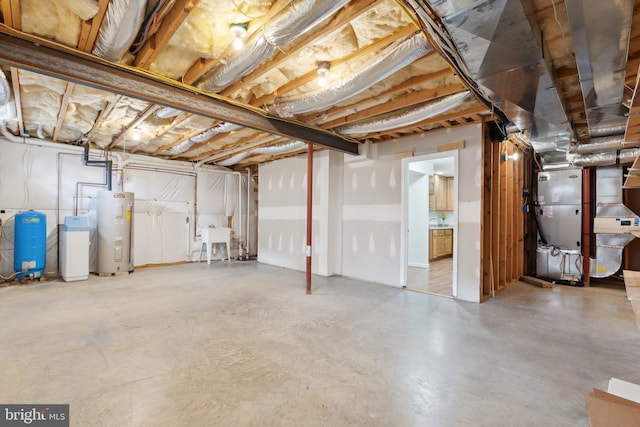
(323, 70)
(238, 31)
(515, 155)
(136, 136)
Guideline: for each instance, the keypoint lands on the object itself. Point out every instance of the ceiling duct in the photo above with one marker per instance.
(606, 143)
(607, 158)
(223, 127)
(293, 21)
(498, 43)
(5, 90)
(600, 31)
(287, 147)
(395, 57)
(119, 28)
(407, 116)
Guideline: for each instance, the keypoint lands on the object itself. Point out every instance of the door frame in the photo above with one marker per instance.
(404, 241)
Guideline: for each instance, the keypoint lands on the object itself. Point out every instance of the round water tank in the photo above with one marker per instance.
(30, 244)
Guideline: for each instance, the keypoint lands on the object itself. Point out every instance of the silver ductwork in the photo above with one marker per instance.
(224, 127)
(167, 112)
(497, 39)
(119, 28)
(299, 17)
(600, 31)
(390, 60)
(609, 205)
(407, 116)
(5, 89)
(287, 147)
(606, 158)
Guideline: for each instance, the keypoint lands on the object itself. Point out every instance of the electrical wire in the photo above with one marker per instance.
(564, 39)
(242, 12)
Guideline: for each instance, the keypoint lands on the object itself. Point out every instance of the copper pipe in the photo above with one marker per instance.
(309, 212)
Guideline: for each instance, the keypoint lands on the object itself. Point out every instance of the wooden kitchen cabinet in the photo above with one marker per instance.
(440, 243)
(442, 197)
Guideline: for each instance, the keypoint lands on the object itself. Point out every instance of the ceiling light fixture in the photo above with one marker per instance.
(323, 70)
(238, 31)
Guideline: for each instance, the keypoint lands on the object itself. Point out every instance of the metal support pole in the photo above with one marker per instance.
(586, 226)
(309, 211)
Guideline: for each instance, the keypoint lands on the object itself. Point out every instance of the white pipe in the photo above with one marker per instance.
(239, 211)
(40, 131)
(9, 136)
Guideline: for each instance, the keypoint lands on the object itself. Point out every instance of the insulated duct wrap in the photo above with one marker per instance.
(393, 58)
(596, 145)
(119, 28)
(234, 159)
(407, 116)
(287, 147)
(202, 137)
(604, 159)
(296, 19)
(167, 113)
(5, 90)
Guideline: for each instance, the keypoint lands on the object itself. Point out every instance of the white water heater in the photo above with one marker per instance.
(115, 232)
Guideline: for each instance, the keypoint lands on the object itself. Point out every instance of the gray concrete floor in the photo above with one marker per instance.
(241, 344)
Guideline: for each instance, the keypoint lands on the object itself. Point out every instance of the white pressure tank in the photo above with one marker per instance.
(115, 232)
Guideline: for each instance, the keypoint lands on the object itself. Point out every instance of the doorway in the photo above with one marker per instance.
(430, 223)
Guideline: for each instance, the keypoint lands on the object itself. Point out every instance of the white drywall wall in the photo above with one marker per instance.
(371, 210)
(282, 213)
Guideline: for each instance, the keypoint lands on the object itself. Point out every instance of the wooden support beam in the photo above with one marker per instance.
(17, 97)
(11, 14)
(508, 212)
(64, 105)
(519, 214)
(42, 56)
(170, 24)
(536, 282)
(502, 221)
(89, 29)
(495, 220)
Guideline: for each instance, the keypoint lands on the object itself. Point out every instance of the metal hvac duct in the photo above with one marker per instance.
(407, 116)
(395, 57)
(497, 40)
(202, 137)
(286, 147)
(119, 28)
(609, 204)
(293, 21)
(5, 90)
(600, 31)
(606, 158)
